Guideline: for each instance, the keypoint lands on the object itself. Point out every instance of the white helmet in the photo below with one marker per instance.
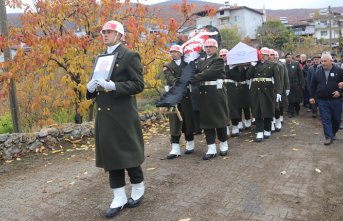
(177, 48)
(114, 25)
(223, 51)
(265, 51)
(211, 42)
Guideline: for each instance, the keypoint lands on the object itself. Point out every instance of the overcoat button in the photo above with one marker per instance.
(99, 109)
(98, 93)
(108, 108)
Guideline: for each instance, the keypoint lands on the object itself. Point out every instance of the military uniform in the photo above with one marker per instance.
(213, 101)
(237, 90)
(264, 83)
(284, 84)
(296, 81)
(172, 72)
(118, 135)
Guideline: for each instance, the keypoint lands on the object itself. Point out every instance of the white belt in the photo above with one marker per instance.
(234, 82)
(218, 83)
(262, 79)
(208, 83)
(229, 81)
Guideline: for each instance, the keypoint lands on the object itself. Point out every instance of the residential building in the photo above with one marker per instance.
(323, 24)
(246, 19)
(303, 28)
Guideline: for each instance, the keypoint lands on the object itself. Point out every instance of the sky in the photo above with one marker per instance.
(258, 4)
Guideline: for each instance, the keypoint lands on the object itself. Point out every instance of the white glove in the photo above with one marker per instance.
(107, 85)
(91, 86)
(278, 97)
(287, 92)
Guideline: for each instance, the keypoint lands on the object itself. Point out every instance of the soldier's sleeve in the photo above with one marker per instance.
(134, 70)
(213, 71)
(287, 85)
(168, 75)
(277, 79)
(250, 72)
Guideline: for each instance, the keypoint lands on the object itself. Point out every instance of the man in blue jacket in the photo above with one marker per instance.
(325, 88)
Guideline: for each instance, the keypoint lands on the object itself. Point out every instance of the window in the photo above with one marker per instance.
(324, 33)
(236, 18)
(221, 12)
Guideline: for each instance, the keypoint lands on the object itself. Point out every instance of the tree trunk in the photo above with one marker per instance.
(7, 56)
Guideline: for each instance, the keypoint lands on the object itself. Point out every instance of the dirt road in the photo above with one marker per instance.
(291, 176)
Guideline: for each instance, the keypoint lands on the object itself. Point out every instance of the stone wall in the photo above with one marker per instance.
(17, 144)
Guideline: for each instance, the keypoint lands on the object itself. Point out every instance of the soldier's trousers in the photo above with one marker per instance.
(247, 116)
(211, 135)
(176, 139)
(117, 177)
(277, 113)
(294, 108)
(263, 124)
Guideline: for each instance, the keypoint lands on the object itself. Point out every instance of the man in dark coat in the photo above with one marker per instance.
(213, 100)
(264, 83)
(325, 87)
(311, 71)
(296, 81)
(118, 135)
(172, 71)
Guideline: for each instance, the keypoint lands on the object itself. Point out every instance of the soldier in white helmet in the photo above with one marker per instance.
(264, 83)
(213, 101)
(172, 71)
(118, 134)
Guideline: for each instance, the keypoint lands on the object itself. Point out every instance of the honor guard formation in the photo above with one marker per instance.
(213, 92)
(222, 99)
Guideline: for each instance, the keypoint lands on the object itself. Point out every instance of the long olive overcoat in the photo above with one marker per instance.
(214, 111)
(237, 91)
(118, 134)
(262, 94)
(284, 84)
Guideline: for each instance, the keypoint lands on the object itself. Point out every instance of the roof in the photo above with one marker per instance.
(229, 8)
(233, 8)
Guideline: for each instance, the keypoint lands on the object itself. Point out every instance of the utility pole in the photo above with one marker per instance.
(330, 27)
(7, 58)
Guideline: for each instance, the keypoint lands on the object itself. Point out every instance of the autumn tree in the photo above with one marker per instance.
(63, 37)
(273, 34)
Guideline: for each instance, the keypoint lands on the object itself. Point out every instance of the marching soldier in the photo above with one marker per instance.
(296, 81)
(285, 88)
(284, 83)
(213, 101)
(119, 144)
(237, 89)
(172, 72)
(223, 53)
(264, 80)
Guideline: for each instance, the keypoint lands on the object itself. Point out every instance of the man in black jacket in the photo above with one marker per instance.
(311, 71)
(325, 88)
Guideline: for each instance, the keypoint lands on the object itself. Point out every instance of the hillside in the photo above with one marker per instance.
(165, 11)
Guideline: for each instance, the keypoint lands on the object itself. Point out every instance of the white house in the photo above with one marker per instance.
(246, 19)
(322, 27)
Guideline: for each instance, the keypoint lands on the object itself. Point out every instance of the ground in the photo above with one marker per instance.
(291, 176)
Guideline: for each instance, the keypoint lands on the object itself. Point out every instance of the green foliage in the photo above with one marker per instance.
(6, 124)
(230, 37)
(273, 34)
(61, 116)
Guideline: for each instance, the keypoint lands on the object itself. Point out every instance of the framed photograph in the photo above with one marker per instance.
(103, 66)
